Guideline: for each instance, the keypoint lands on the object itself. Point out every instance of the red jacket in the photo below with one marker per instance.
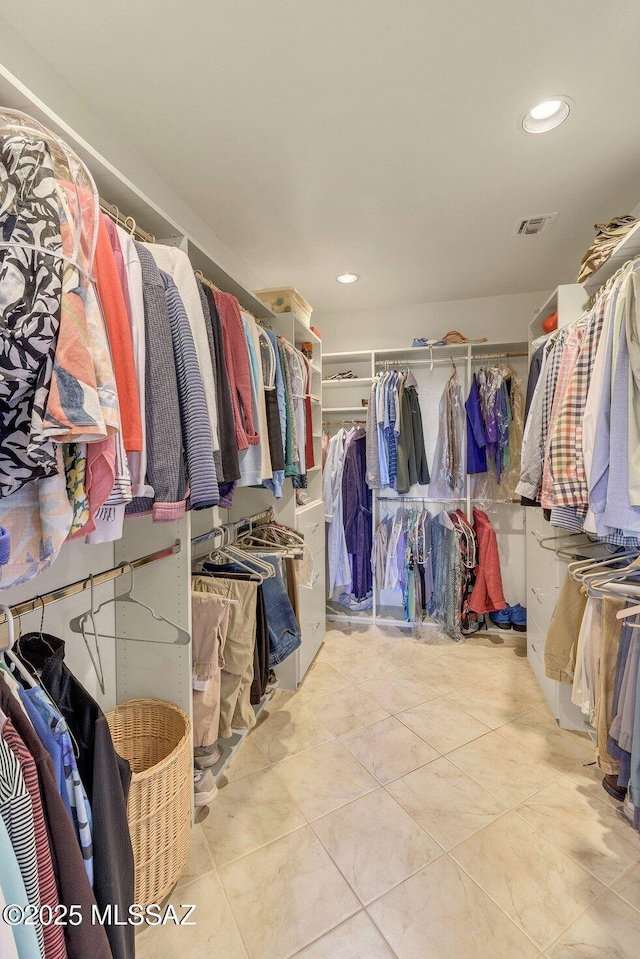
(487, 595)
(237, 360)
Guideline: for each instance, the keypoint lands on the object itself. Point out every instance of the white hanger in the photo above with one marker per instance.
(580, 568)
(79, 623)
(8, 650)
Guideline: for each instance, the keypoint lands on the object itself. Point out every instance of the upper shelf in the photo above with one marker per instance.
(627, 249)
(459, 350)
(114, 187)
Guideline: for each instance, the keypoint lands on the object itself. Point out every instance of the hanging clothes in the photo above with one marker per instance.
(196, 427)
(339, 566)
(356, 497)
(487, 595)
(71, 879)
(476, 436)
(106, 778)
(22, 936)
(210, 625)
(447, 479)
(237, 673)
(228, 448)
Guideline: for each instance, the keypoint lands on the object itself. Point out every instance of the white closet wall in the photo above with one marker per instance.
(499, 318)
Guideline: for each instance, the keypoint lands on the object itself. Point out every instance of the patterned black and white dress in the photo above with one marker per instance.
(30, 300)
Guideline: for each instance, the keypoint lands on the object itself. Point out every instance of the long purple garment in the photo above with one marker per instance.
(356, 498)
(476, 439)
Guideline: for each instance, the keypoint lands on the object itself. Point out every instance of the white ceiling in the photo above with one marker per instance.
(319, 136)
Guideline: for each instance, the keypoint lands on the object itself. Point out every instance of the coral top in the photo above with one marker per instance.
(116, 319)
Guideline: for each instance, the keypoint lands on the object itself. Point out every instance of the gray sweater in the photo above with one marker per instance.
(165, 466)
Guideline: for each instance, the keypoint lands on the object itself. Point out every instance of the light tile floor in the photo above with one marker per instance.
(410, 801)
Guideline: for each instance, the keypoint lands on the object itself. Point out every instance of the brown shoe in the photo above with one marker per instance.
(610, 785)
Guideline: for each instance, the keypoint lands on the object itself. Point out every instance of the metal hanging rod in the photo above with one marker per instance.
(344, 422)
(395, 363)
(229, 532)
(63, 592)
(419, 499)
(126, 222)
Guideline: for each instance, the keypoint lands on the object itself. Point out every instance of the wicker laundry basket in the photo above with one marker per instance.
(155, 737)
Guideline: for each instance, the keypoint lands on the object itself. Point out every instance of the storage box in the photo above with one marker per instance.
(285, 299)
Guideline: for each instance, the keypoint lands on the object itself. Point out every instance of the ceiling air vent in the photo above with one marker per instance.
(535, 225)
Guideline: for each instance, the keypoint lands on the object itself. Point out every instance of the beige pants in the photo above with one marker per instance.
(564, 629)
(210, 623)
(236, 675)
(611, 628)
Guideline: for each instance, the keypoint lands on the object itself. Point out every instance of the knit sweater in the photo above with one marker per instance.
(176, 263)
(165, 467)
(196, 431)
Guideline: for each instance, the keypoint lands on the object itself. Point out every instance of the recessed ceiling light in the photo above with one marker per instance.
(546, 115)
(348, 278)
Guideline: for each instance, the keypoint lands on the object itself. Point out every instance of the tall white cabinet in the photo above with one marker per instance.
(546, 571)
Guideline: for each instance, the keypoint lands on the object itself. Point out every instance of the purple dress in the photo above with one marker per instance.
(476, 438)
(356, 499)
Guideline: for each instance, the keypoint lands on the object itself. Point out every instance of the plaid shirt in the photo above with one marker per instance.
(566, 454)
(556, 439)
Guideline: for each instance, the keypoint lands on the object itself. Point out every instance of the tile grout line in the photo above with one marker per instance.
(569, 854)
(541, 949)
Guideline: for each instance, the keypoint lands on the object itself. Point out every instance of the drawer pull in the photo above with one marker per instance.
(314, 627)
(316, 577)
(539, 593)
(313, 526)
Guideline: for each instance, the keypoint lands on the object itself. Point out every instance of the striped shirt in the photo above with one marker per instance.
(17, 814)
(54, 944)
(194, 414)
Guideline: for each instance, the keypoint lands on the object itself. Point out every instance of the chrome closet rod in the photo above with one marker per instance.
(106, 576)
(395, 363)
(233, 530)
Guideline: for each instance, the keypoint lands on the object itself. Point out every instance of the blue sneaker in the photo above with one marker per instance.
(502, 618)
(518, 618)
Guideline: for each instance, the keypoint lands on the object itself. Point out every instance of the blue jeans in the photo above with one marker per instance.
(284, 632)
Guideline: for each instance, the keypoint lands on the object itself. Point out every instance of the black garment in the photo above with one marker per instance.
(261, 651)
(274, 430)
(85, 941)
(226, 427)
(420, 467)
(106, 778)
(532, 382)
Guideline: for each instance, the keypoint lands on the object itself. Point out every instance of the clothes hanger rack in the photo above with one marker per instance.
(229, 532)
(418, 499)
(126, 222)
(63, 592)
(344, 422)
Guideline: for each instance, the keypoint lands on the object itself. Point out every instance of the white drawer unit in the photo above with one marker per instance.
(310, 522)
(546, 573)
(311, 602)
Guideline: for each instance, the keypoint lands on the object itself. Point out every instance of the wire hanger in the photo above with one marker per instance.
(79, 623)
(10, 656)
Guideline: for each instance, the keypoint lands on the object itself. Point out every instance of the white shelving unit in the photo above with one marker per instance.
(545, 570)
(432, 368)
(627, 249)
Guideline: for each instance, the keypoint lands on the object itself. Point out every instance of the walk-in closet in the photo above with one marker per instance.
(319, 480)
